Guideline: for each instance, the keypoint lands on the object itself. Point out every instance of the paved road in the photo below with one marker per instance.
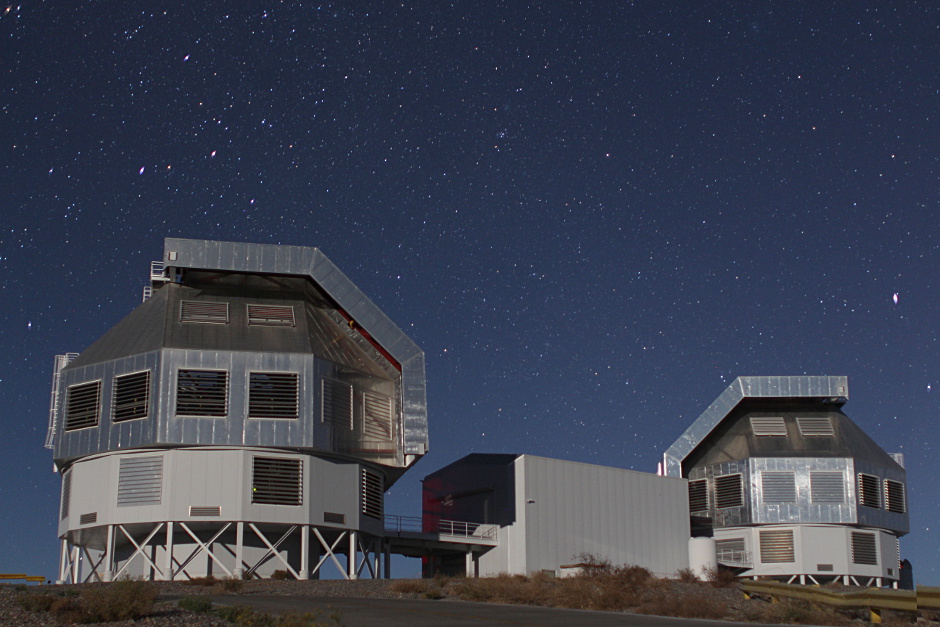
(423, 613)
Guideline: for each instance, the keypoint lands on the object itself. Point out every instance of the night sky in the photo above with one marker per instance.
(591, 216)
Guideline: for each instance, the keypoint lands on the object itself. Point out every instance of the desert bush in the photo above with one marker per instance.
(37, 602)
(68, 610)
(687, 575)
(202, 581)
(410, 586)
(232, 585)
(695, 602)
(721, 577)
(281, 575)
(127, 599)
(195, 604)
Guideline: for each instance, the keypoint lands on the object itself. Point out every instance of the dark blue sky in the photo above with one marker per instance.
(591, 216)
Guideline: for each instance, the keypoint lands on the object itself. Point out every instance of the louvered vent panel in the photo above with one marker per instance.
(776, 546)
(698, 495)
(864, 548)
(894, 497)
(131, 397)
(83, 406)
(272, 395)
(377, 415)
(730, 549)
(334, 518)
(778, 487)
(205, 510)
(729, 491)
(66, 494)
(277, 481)
(869, 490)
(827, 487)
(372, 493)
(88, 519)
(205, 313)
(337, 402)
(270, 316)
(140, 480)
(768, 425)
(202, 393)
(815, 426)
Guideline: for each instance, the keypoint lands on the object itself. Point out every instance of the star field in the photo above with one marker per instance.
(591, 216)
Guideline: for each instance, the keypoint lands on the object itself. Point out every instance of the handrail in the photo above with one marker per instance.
(456, 528)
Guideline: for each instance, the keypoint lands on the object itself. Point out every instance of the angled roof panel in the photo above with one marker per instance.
(813, 387)
(312, 263)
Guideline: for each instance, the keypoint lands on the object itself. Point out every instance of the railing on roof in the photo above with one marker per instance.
(157, 271)
(61, 361)
(455, 528)
(734, 558)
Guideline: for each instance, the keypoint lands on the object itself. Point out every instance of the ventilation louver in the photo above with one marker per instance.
(131, 397)
(778, 487)
(140, 480)
(272, 395)
(83, 406)
(776, 546)
(205, 510)
(377, 415)
(88, 519)
(869, 492)
(270, 316)
(815, 426)
(768, 425)
(334, 519)
(827, 487)
(894, 497)
(66, 494)
(202, 393)
(864, 548)
(372, 493)
(337, 403)
(194, 311)
(277, 481)
(698, 495)
(729, 491)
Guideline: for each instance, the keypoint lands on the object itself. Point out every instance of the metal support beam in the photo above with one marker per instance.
(351, 557)
(272, 550)
(108, 573)
(305, 552)
(329, 552)
(207, 547)
(139, 550)
(168, 575)
(239, 570)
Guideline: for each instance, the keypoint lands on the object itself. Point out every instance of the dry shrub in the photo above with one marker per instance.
(695, 602)
(232, 585)
(202, 581)
(195, 604)
(37, 602)
(793, 612)
(512, 589)
(281, 575)
(721, 577)
(687, 575)
(409, 586)
(127, 599)
(68, 610)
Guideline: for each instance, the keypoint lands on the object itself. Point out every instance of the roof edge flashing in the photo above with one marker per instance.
(824, 388)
